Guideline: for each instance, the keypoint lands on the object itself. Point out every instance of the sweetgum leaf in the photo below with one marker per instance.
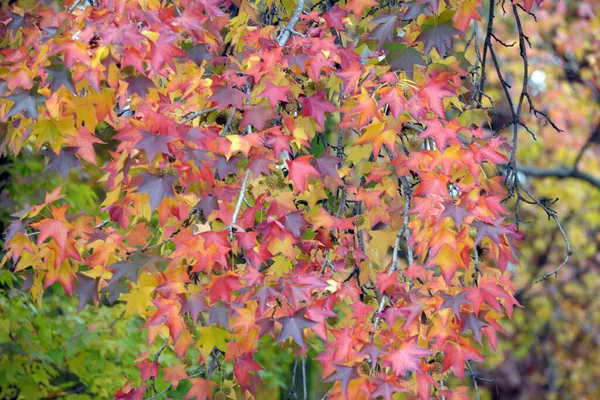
(157, 187)
(129, 268)
(294, 326)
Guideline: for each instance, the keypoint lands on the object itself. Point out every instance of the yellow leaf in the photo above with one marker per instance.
(281, 266)
(210, 337)
(53, 132)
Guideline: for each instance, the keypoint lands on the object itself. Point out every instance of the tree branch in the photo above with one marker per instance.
(286, 32)
(560, 173)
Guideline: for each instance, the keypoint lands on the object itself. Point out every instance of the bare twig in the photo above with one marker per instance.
(156, 357)
(304, 386)
(189, 117)
(293, 389)
(102, 224)
(238, 206)
(561, 173)
(474, 379)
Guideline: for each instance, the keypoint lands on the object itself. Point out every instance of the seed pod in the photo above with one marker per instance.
(332, 322)
(220, 395)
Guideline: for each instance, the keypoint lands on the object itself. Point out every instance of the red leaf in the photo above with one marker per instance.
(406, 358)
(201, 389)
(275, 93)
(148, 369)
(300, 169)
(316, 106)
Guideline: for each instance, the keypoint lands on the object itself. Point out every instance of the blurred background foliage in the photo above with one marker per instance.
(552, 345)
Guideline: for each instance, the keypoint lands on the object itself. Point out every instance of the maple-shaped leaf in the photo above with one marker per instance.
(138, 84)
(257, 116)
(457, 213)
(334, 17)
(153, 144)
(386, 388)
(201, 389)
(457, 393)
(472, 323)
(415, 9)
(327, 166)
(449, 261)
(225, 96)
(127, 392)
(60, 76)
(490, 291)
(316, 106)
(275, 93)
(293, 222)
(385, 31)
(62, 162)
(491, 231)
(344, 374)
(148, 369)
(87, 289)
(25, 101)
(457, 354)
(164, 51)
(157, 187)
(402, 57)
(378, 134)
(294, 327)
(207, 204)
(435, 92)
(194, 304)
(219, 313)
(57, 227)
(374, 352)
(438, 36)
(174, 374)
(454, 302)
(442, 134)
(242, 366)
(406, 358)
(197, 53)
(466, 12)
(300, 169)
(358, 6)
(129, 268)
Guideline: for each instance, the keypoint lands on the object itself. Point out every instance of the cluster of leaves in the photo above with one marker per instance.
(271, 169)
(554, 354)
(54, 352)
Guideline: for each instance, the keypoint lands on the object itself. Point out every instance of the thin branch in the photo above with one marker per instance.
(227, 126)
(285, 33)
(238, 206)
(156, 357)
(74, 6)
(486, 44)
(293, 389)
(102, 224)
(189, 117)
(551, 214)
(561, 173)
(304, 386)
(474, 379)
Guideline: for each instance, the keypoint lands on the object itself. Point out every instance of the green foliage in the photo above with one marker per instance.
(51, 351)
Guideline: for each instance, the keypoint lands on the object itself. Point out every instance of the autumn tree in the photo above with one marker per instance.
(277, 174)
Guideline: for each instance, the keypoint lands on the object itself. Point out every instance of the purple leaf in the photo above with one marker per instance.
(157, 187)
(153, 144)
(438, 36)
(87, 289)
(294, 327)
